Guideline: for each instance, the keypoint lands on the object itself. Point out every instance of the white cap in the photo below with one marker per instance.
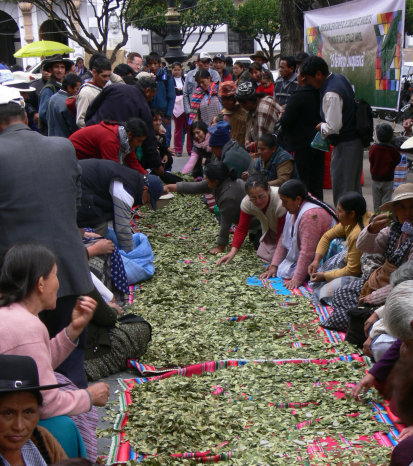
(204, 56)
(10, 95)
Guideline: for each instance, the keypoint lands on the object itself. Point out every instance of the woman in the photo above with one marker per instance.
(276, 163)
(298, 122)
(240, 73)
(28, 285)
(262, 201)
(205, 102)
(391, 239)
(200, 152)
(353, 216)
(306, 221)
(255, 71)
(80, 68)
(22, 441)
(233, 113)
(178, 113)
(228, 192)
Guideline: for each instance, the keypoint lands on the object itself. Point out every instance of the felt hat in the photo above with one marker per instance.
(19, 373)
(227, 89)
(219, 56)
(155, 188)
(10, 95)
(403, 191)
(57, 58)
(219, 134)
(20, 81)
(259, 54)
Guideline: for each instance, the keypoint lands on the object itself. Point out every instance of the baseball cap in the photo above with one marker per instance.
(203, 56)
(10, 95)
(219, 56)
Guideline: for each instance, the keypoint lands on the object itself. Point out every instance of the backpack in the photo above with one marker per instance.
(364, 121)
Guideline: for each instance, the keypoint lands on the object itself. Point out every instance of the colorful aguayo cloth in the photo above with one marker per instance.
(238, 370)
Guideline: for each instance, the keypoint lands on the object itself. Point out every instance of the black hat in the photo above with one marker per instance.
(219, 56)
(57, 58)
(19, 373)
(259, 54)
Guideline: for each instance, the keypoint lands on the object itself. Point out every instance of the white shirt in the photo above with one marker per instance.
(333, 114)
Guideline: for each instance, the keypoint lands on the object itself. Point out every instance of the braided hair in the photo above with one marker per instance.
(353, 201)
(41, 446)
(295, 188)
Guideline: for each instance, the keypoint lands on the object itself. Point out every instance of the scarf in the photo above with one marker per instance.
(197, 97)
(393, 255)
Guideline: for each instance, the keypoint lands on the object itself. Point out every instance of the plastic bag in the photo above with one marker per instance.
(400, 172)
(319, 143)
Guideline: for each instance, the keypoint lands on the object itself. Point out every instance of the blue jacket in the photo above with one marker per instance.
(164, 99)
(60, 122)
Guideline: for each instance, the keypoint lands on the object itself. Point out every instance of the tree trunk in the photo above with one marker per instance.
(291, 28)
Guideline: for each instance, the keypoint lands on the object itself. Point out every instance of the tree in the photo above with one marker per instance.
(67, 13)
(409, 18)
(260, 20)
(204, 18)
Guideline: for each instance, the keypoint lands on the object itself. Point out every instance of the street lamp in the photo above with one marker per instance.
(173, 37)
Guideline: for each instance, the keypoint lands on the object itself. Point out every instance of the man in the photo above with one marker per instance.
(57, 68)
(338, 112)
(60, 121)
(259, 57)
(134, 60)
(39, 190)
(101, 70)
(407, 117)
(120, 102)
(262, 114)
(218, 64)
(111, 141)
(287, 83)
(164, 100)
(203, 61)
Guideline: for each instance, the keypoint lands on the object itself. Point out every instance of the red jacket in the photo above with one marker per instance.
(383, 160)
(102, 142)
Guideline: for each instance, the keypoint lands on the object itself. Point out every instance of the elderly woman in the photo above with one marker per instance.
(391, 239)
(306, 220)
(28, 285)
(262, 201)
(22, 441)
(398, 318)
(205, 103)
(228, 192)
(233, 113)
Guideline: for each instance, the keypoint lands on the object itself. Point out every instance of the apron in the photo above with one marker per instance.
(289, 240)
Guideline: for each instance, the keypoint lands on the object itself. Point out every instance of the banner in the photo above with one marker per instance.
(362, 40)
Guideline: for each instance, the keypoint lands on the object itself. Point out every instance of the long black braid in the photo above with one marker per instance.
(41, 446)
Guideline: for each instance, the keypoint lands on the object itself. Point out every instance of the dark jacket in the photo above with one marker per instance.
(228, 196)
(119, 102)
(300, 118)
(39, 190)
(97, 176)
(236, 157)
(341, 85)
(164, 99)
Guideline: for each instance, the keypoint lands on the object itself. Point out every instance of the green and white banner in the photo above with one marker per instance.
(362, 40)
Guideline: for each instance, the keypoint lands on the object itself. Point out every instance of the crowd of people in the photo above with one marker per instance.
(81, 147)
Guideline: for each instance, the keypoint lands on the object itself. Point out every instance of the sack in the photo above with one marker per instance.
(364, 121)
(400, 172)
(319, 143)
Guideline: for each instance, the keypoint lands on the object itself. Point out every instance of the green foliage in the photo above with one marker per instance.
(409, 17)
(205, 17)
(260, 20)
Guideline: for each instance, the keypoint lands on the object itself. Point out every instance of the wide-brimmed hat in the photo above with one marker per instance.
(20, 81)
(57, 58)
(408, 144)
(9, 95)
(259, 54)
(19, 373)
(404, 191)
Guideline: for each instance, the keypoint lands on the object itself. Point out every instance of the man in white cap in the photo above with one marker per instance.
(203, 61)
(39, 191)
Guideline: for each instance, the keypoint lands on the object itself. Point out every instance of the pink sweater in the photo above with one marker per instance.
(24, 334)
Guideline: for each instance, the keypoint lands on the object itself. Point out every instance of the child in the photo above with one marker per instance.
(165, 152)
(383, 158)
(267, 83)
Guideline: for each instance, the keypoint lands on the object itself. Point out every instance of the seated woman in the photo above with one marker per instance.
(353, 216)
(306, 221)
(391, 239)
(28, 285)
(22, 441)
(276, 163)
(228, 192)
(262, 201)
(201, 152)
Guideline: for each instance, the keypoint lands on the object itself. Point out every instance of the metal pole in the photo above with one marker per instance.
(173, 37)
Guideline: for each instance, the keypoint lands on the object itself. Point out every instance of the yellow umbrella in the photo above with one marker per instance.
(42, 48)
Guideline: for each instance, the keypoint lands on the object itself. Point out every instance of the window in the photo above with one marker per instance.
(239, 44)
(157, 44)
